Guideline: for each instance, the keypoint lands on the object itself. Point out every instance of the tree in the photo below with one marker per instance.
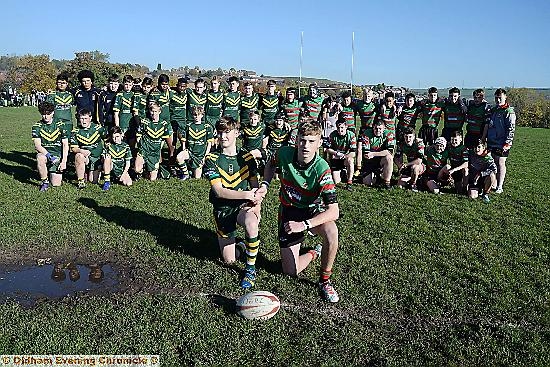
(33, 73)
(95, 61)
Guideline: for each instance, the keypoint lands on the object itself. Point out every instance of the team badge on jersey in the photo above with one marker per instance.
(230, 169)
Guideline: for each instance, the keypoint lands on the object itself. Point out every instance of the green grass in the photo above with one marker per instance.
(424, 279)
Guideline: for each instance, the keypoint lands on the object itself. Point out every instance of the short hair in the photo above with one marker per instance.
(147, 81)
(226, 123)
(199, 80)
(280, 116)
(500, 91)
(128, 78)
(340, 121)
(309, 128)
(480, 142)
(163, 78)
(182, 81)
(389, 94)
(432, 90)
(85, 74)
(409, 95)
(214, 78)
(153, 104)
(271, 82)
(84, 111)
(479, 91)
(197, 109)
(248, 84)
(45, 108)
(291, 90)
(454, 90)
(367, 90)
(346, 94)
(113, 77)
(456, 133)
(378, 122)
(137, 80)
(115, 130)
(233, 79)
(408, 131)
(62, 76)
(252, 113)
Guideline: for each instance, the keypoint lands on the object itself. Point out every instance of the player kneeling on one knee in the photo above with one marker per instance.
(116, 159)
(437, 169)
(413, 149)
(196, 144)
(308, 203)
(482, 172)
(52, 147)
(458, 159)
(233, 179)
(376, 147)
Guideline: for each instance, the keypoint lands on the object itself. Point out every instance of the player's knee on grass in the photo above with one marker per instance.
(56, 179)
(153, 175)
(289, 260)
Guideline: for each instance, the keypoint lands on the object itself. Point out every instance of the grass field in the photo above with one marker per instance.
(424, 279)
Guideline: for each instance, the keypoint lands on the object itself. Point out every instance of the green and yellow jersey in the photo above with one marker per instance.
(123, 105)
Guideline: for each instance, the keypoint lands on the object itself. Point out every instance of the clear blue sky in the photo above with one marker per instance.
(410, 43)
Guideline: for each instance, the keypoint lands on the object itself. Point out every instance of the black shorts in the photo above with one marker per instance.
(458, 176)
(371, 166)
(290, 213)
(337, 164)
(499, 152)
(472, 184)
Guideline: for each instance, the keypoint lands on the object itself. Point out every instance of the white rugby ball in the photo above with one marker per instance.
(258, 305)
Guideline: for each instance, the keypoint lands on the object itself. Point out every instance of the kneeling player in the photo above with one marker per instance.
(151, 137)
(52, 147)
(341, 150)
(87, 146)
(482, 175)
(437, 169)
(196, 144)
(413, 149)
(116, 159)
(376, 149)
(233, 180)
(306, 182)
(458, 158)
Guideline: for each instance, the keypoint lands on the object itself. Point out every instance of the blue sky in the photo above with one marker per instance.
(410, 43)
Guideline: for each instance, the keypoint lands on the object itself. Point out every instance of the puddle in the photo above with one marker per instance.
(29, 284)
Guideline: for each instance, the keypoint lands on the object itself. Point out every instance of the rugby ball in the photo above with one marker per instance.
(258, 305)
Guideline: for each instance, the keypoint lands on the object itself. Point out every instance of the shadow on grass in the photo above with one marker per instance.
(170, 233)
(24, 169)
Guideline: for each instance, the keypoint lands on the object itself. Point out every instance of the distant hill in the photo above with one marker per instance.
(307, 80)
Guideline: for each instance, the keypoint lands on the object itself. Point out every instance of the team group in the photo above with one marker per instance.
(281, 136)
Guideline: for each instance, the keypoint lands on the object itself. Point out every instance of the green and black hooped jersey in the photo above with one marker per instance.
(435, 161)
(453, 116)
(152, 134)
(197, 137)
(292, 112)
(51, 136)
(232, 104)
(178, 106)
(367, 113)
(457, 155)
(373, 143)
(253, 136)
(123, 105)
(194, 99)
(248, 104)
(63, 102)
(343, 143)
(233, 172)
(214, 105)
(276, 138)
(408, 117)
(308, 187)
(477, 117)
(269, 105)
(312, 106)
(163, 100)
(90, 139)
(120, 155)
(414, 151)
(431, 113)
